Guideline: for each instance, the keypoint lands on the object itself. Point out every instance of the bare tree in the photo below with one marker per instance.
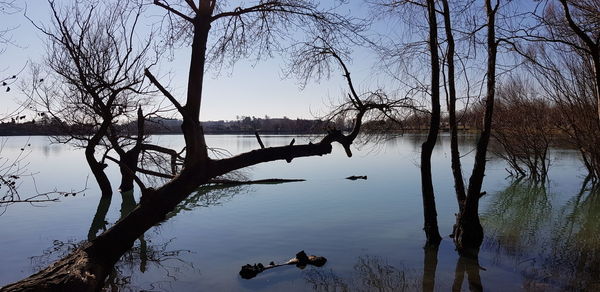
(468, 232)
(524, 129)
(582, 18)
(86, 267)
(401, 55)
(97, 83)
(459, 185)
(563, 55)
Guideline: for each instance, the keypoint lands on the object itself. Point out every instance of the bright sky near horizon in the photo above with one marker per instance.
(249, 89)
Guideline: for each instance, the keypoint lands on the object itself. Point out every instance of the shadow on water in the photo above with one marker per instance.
(554, 244)
(145, 254)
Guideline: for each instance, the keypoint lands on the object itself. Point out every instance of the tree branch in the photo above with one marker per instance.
(164, 91)
(172, 10)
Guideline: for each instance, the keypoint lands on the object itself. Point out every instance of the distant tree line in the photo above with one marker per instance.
(157, 125)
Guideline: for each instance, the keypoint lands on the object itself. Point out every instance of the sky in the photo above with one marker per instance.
(247, 89)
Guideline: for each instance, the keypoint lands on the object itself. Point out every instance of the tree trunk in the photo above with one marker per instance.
(191, 127)
(459, 185)
(468, 233)
(129, 164)
(429, 209)
(129, 160)
(97, 167)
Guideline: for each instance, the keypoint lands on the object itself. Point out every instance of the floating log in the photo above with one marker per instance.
(355, 177)
(301, 261)
(259, 181)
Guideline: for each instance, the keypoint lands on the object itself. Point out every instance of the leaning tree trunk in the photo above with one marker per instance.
(468, 232)
(429, 209)
(97, 167)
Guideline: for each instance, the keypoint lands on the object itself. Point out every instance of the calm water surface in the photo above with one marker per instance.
(539, 237)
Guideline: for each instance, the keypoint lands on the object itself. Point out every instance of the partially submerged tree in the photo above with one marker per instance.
(86, 267)
(468, 232)
(401, 55)
(563, 53)
(524, 129)
(97, 84)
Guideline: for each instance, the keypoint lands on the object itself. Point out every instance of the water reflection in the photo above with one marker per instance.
(430, 262)
(468, 265)
(148, 253)
(555, 245)
(514, 217)
(373, 273)
(370, 274)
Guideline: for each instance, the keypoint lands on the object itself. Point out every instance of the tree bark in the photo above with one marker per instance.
(429, 209)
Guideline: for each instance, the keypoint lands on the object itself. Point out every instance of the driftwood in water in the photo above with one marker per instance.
(355, 177)
(301, 261)
(250, 182)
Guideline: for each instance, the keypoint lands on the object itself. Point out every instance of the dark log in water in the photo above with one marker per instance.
(355, 177)
(250, 182)
(301, 261)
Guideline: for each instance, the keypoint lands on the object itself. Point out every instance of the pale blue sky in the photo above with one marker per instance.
(249, 89)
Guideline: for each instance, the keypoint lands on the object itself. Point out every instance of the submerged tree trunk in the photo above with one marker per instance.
(128, 160)
(468, 232)
(96, 166)
(429, 209)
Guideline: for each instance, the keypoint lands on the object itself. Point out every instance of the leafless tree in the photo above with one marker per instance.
(97, 84)
(524, 129)
(563, 53)
(397, 55)
(86, 267)
(468, 232)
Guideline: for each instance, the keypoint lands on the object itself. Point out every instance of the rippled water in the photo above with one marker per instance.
(539, 237)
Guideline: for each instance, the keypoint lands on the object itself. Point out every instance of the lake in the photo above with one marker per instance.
(539, 236)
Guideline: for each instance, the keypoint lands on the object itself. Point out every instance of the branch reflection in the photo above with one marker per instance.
(554, 244)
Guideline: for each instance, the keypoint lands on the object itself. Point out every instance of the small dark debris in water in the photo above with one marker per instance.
(355, 177)
(301, 261)
(248, 271)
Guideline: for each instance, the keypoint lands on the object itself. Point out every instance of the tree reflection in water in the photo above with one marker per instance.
(467, 265)
(555, 245)
(370, 274)
(144, 253)
(373, 273)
